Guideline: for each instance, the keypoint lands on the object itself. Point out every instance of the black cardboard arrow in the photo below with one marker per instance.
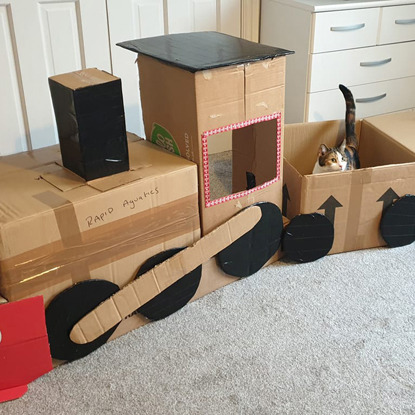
(387, 198)
(329, 207)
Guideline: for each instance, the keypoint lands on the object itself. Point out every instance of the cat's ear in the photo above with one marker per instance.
(322, 150)
(342, 146)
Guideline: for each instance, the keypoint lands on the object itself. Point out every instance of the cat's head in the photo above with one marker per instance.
(329, 160)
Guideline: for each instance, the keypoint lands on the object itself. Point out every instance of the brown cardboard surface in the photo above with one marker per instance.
(30, 159)
(83, 78)
(264, 87)
(358, 203)
(291, 205)
(220, 95)
(399, 127)
(180, 108)
(168, 99)
(92, 233)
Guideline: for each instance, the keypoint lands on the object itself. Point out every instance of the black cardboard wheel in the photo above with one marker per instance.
(251, 251)
(176, 296)
(308, 237)
(397, 225)
(67, 308)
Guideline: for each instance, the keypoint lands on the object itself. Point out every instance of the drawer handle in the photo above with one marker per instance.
(371, 99)
(347, 28)
(405, 21)
(376, 63)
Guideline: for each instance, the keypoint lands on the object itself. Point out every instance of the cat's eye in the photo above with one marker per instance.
(333, 160)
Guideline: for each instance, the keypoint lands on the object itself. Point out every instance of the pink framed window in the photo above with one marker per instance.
(241, 158)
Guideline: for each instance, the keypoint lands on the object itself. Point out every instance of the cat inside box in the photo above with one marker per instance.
(375, 148)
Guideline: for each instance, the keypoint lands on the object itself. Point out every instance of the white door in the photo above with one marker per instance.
(39, 39)
(133, 19)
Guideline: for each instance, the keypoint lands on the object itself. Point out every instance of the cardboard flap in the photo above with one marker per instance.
(399, 127)
(111, 182)
(61, 178)
(291, 192)
(83, 78)
(64, 179)
(29, 159)
(383, 145)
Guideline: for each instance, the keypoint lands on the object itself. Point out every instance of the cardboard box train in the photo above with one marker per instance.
(211, 100)
(60, 230)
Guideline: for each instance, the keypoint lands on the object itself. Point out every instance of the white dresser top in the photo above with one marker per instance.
(331, 5)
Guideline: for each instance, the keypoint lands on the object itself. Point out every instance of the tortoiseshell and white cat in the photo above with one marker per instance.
(344, 156)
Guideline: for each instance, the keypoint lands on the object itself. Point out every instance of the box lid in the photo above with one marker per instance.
(83, 78)
(398, 126)
(202, 50)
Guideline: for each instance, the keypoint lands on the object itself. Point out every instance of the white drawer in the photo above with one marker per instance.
(345, 29)
(371, 99)
(361, 66)
(397, 24)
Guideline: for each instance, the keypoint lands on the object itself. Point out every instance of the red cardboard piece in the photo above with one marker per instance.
(24, 346)
(12, 393)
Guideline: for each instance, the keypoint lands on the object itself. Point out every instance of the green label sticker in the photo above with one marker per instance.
(161, 137)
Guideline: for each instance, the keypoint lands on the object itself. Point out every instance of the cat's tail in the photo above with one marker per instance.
(351, 139)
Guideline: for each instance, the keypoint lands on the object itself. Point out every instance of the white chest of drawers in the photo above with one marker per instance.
(367, 45)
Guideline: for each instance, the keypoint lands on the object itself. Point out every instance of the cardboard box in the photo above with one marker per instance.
(353, 200)
(399, 126)
(89, 113)
(56, 229)
(197, 88)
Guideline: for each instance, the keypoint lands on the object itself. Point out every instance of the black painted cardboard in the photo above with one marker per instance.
(398, 222)
(250, 252)
(202, 50)
(308, 237)
(89, 113)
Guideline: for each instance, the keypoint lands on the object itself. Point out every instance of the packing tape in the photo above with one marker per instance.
(353, 239)
(53, 263)
(68, 226)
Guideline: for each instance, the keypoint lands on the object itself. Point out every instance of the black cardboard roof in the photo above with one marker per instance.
(198, 51)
